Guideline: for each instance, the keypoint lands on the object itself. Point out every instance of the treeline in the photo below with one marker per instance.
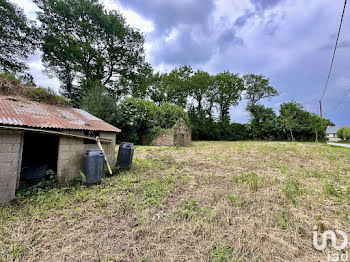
(100, 62)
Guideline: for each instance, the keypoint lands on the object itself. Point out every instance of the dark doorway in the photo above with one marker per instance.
(40, 152)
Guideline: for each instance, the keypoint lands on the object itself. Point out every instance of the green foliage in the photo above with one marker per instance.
(84, 43)
(153, 133)
(249, 178)
(141, 120)
(10, 77)
(135, 117)
(100, 104)
(257, 87)
(228, 88)
(264, 123)
(47, 95)
(189, 209)
(37, 187)
(171, 113)
(330, 190)
(222, 254)
(292, 190)
(284, 219)
(300, 124)
(344, 133)
(19, 38)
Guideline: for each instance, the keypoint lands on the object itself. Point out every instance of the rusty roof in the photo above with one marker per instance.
(17, 111)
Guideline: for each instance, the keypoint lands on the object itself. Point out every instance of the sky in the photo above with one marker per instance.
(289, 41)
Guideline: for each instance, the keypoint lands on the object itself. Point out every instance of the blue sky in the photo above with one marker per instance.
(291, 42)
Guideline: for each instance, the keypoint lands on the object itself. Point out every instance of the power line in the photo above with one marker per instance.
(335, 49)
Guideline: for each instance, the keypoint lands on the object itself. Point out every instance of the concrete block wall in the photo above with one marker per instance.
(11, 145)
(71, 152)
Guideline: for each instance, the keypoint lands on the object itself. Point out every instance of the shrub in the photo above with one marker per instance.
(344, 133)
(141, 121)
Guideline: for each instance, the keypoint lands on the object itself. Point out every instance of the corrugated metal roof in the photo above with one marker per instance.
(16, 111)
(333, 129)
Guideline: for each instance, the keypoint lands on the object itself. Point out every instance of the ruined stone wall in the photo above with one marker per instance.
(71, 152)
(11, 146)
(165, 139)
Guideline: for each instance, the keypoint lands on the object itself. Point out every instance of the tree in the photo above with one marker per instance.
(264, 123)
(257, 87)
(301, 124)
(135, 117)
(199, 84)
(176, 84)
(86, 45)
(170, 114)
(18, 38)
(289, 116)
(228, 88)
(344, 133)
(100, 104)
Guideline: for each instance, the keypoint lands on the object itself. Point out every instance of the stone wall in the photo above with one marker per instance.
(71, 152)
(179, 135)
(165, 139)
(183, 135)
(11, 146)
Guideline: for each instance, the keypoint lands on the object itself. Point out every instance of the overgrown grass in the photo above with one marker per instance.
(214, 201)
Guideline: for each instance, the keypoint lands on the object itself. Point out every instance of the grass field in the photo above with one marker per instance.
(213, 201)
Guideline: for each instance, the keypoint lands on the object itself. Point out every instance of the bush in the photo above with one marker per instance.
(141, 121)
(171, 113)
(100, 104)
(344, 133)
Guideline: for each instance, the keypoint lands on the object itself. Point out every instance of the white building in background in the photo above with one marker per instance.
(331, 133)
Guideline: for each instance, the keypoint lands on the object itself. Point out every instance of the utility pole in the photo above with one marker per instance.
(320, 108)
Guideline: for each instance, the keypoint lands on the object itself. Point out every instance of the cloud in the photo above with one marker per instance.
(341, 44)
(262, 5)
(290, 41)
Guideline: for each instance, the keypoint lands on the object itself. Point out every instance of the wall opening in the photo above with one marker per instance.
(40, 153)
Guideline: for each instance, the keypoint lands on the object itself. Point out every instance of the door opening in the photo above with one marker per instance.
(40, 153)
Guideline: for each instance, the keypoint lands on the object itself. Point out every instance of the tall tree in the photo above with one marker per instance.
(257, 87)
(19, 38)
(264, 123)
(86, 45)
(290, 115)
(228, 88)
(199, 84)
(177, 84)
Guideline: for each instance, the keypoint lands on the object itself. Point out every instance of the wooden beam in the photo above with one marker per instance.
(104, 140)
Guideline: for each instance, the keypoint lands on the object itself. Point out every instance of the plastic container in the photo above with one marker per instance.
(125, 155)
(93, 166)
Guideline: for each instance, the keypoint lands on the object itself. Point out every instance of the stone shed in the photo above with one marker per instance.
(179, 135)
(36, 137)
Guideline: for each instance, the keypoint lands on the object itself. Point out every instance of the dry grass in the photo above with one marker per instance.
(214, 201)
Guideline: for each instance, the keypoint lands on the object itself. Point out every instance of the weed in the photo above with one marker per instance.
(330, 190)
(222, 254)
(189, 209)
(250, 178)
(283, 169)
(155, 192)
(292, 190)
(284, 219)
(16, 252)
